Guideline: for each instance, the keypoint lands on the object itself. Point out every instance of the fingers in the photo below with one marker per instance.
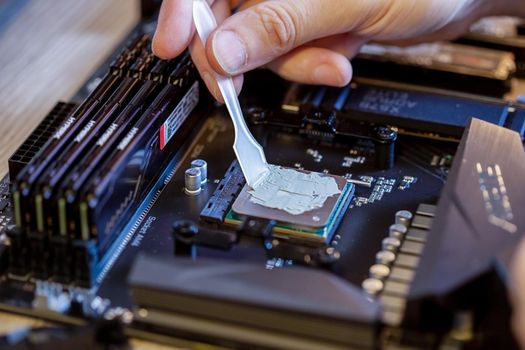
(175, 32)
(174, 29)
(221, 9)
(261, 33)
(313, 65)
(323, 62)
(273, 31)
(347, 45)
(207, 73)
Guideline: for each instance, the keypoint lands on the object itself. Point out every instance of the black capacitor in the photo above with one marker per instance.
(184, 234)
(385, 142)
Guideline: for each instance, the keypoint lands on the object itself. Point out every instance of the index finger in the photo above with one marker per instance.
(175, 27)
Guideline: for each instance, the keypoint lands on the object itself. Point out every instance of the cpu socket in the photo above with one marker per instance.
(316, 226)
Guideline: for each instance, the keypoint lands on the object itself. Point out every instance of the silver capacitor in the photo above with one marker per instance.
(403, 217)
(192, 181)
(202, 165)
(379, 271)
(392, 244)
(372, 286)
(398, 231)
(385, 257)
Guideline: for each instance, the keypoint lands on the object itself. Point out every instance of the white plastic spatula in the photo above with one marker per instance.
(248, 151)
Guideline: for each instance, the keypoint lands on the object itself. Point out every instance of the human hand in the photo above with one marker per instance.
(309, 41)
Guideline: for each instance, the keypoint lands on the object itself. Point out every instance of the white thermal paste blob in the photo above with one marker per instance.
(293, 191)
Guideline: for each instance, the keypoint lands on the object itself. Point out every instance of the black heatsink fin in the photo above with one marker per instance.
(478, 225)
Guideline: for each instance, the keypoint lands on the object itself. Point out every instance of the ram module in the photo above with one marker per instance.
(111, 195)
(441, 65)
(68, 218)
(413, 110)
(106, 118)
(63, 203)
(47, 184)
(23, 184)
(119, 186)
(514, 44)
(103, 145)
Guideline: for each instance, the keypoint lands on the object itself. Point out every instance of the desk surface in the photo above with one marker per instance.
(48, 51)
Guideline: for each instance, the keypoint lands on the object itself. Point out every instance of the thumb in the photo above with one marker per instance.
(261, 33)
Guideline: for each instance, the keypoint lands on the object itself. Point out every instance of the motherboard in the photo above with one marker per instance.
(127, 204)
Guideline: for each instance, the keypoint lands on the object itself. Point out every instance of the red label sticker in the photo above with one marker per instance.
(179, 115)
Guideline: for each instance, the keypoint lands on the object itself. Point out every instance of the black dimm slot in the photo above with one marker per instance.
(146, 130)
(22, 186)
(47, 185)
(64, 203)
(107, 142)
(86, 137)
(113, 193)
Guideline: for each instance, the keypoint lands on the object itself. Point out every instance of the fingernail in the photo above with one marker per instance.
(324, 74)
(229, 51)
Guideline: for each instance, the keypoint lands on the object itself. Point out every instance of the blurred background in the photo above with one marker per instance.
(48, 48)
